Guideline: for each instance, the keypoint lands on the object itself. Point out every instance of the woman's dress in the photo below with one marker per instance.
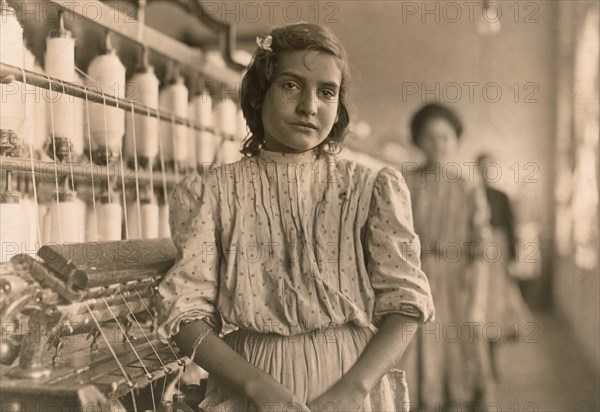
(448, 362)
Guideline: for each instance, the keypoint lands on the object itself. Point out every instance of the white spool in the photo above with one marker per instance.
(205, 143)
(91, 235)
(60, 52)
(226, 123)
(242, 126)
(13, 224)
(203, 109)
(166, 130)
(79, 136)
(60, 58)
(60, 64)
(192, 136)
(149, 218)
(108, 76)
(226, 116)
(233, 148)
(31, 222)
(110, 216)
(143, 89)
(207, 147)
(42, 212)
(108, 219)
(174, 100)
(164, 230)
(13, 230)
(63, 221)
(30, 94)
(230, 152)
(12, 109)
(12, 36)
(82, 222)
(46, 224)
(40, 128)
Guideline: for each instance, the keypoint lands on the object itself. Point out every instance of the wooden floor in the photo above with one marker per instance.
(545, 374)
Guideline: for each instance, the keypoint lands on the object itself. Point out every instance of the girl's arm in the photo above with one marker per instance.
(402, 293)
(216, 357)
(381, 354)
(189, 292)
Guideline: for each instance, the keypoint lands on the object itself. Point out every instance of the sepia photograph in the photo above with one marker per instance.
(300, 206)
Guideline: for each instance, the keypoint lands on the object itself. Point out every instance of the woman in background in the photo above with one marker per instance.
(448, 359)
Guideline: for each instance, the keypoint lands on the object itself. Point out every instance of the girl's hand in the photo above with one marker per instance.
(8, 78)
(271, 396)
(339, 398)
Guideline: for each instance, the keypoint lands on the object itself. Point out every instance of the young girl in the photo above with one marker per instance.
(303, 252)
(451, 216)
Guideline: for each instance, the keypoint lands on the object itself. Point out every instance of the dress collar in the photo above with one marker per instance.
(281, 157)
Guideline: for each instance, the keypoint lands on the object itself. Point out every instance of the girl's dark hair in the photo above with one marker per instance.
(433, 111)
(259, 77)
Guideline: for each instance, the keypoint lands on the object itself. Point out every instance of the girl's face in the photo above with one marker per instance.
(438, 140)
(301, 105)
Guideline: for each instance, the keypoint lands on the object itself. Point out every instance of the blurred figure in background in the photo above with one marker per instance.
(506, 310)
(449, 359)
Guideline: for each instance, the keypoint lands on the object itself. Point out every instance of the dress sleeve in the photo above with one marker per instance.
(393, 252)
(189, 290)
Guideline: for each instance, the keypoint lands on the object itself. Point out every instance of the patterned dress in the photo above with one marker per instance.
(448, 362)
(304, 255)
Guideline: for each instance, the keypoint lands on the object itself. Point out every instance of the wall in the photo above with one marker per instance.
(576, 285)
